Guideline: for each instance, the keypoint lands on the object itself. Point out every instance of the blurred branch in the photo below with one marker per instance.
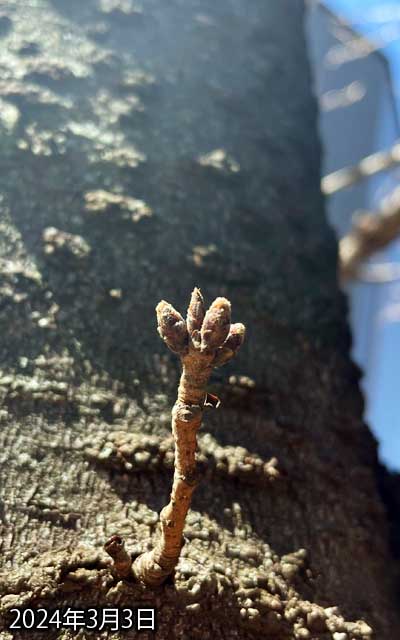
(362, 46)
(379, 273)
(368, 166)
(370, 233)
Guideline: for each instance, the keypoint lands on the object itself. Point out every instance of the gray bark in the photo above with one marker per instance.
(170, 145)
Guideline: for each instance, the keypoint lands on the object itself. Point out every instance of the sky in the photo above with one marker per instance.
(376, 18)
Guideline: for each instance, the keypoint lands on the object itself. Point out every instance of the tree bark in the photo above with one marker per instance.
(147, 150)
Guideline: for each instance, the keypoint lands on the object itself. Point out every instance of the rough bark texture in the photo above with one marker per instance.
(147, 149)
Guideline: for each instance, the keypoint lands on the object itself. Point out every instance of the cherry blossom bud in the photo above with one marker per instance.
(171, 327)
(216, 324)
(231, 345)
(195, 315)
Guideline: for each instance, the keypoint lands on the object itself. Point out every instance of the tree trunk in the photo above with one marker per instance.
(147, 150)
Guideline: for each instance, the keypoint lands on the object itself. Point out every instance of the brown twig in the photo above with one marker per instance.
(204, 341)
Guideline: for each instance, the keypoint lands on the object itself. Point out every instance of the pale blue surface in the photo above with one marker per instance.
(371, 16)
(382, 382)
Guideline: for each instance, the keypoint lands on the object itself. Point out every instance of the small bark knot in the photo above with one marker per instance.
(115, 547)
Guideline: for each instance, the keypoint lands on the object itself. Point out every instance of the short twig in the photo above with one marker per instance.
(115, 547)
(203, 341)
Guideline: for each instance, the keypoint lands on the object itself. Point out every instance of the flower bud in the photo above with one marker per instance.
(195, 315)
(231, 345)
(171, 327)
(216, 324)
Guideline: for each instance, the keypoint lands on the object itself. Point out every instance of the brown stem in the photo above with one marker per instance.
(155, 566)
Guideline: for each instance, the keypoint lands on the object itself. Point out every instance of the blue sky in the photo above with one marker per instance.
(373, 17)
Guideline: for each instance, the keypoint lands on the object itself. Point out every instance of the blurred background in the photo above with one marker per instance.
(355, 53)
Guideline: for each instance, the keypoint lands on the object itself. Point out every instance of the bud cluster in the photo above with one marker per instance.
(208, 332)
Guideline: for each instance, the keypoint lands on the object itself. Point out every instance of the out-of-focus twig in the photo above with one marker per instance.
(379, 273)
(370, 233)
(368, 166)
